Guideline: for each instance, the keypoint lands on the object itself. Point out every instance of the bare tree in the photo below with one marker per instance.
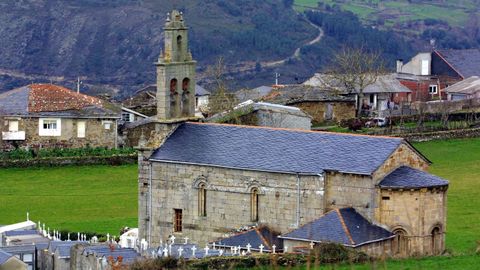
(222, 99)
(354, 69)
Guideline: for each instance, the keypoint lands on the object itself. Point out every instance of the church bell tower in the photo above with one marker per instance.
(175, 72)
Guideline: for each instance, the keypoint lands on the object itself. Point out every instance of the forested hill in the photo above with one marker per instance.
(112, 44)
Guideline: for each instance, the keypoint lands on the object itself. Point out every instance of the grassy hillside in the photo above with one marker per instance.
(451, 11)
(113, 44)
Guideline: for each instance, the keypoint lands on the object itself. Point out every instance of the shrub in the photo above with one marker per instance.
(20, 154)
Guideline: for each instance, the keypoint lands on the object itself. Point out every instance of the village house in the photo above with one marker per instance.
(47, 115)
(382, 97)
(429, 74)
(264, 114)
(202, 181)
(321, 104)
(466, 89)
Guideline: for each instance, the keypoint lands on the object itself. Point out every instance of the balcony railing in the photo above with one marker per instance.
(13, 135)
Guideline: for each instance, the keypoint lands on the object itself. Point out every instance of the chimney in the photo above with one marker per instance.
(399, 65)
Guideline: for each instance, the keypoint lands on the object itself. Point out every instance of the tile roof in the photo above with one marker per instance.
(343, 226)
(406, 177)
(4, 257)
(465, 62)
(52, 100)
(276, 150)
(255, 237)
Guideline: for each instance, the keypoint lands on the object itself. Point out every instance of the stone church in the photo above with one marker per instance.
(202, 181)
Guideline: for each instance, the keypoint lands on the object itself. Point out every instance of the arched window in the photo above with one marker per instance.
(202, 200)
(436, 241)
(400, 242)
(254, 204)
(179, 41)
(185, 84)
(173, 86)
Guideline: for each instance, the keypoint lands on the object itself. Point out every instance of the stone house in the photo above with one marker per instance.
(428, 74)
(387, 93)
(46, 115)
(466, 89)
(266, 115)
(101, 257)
(203, 181)
(321, 104)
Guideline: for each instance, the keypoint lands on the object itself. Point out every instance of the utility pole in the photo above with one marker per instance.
(277, 75)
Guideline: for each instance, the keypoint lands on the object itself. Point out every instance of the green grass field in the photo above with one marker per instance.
(95, 198)
(104, 198)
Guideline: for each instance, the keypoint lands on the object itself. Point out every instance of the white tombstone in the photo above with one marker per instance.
(261, 248)
(180, 250)
(312, 245)
(60, 236)
(249, 248)
(206, 250)
(28, 216)
(94, 239)
(165, 252)
(193, 251)
(39, 226)
(143, 244)
(68, 237)
(234, 250)
(220, 252)
(285, 249)
(108, 237)
(214, 246)
(186, 240)
(172, 239)
(78, 236)
(243, 253)
(273, 249)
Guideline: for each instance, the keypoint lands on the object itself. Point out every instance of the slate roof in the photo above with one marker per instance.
(255, 237)
(384, 84)
(200, 91)
(468, 86)
(22, 232)
(275, 150)
(406, 177)
(52, 247)
(128, 254)
(291, 94)
(343, 226)
(4, 257)
(465, 62)
(53, 100)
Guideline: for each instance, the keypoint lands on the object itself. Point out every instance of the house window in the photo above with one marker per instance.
(81, 128)
(12, 126)
(107, 124)
(49, 127)
(433, 89)
(177, 220)
(202, 200)
(254, 204)
(127, 117)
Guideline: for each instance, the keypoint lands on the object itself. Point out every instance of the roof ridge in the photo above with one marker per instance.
(345, 228)
(297, 130)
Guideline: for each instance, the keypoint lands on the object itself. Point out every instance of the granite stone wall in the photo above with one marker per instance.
(96, 135)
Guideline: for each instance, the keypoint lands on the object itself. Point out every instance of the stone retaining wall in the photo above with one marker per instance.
(442, 135)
